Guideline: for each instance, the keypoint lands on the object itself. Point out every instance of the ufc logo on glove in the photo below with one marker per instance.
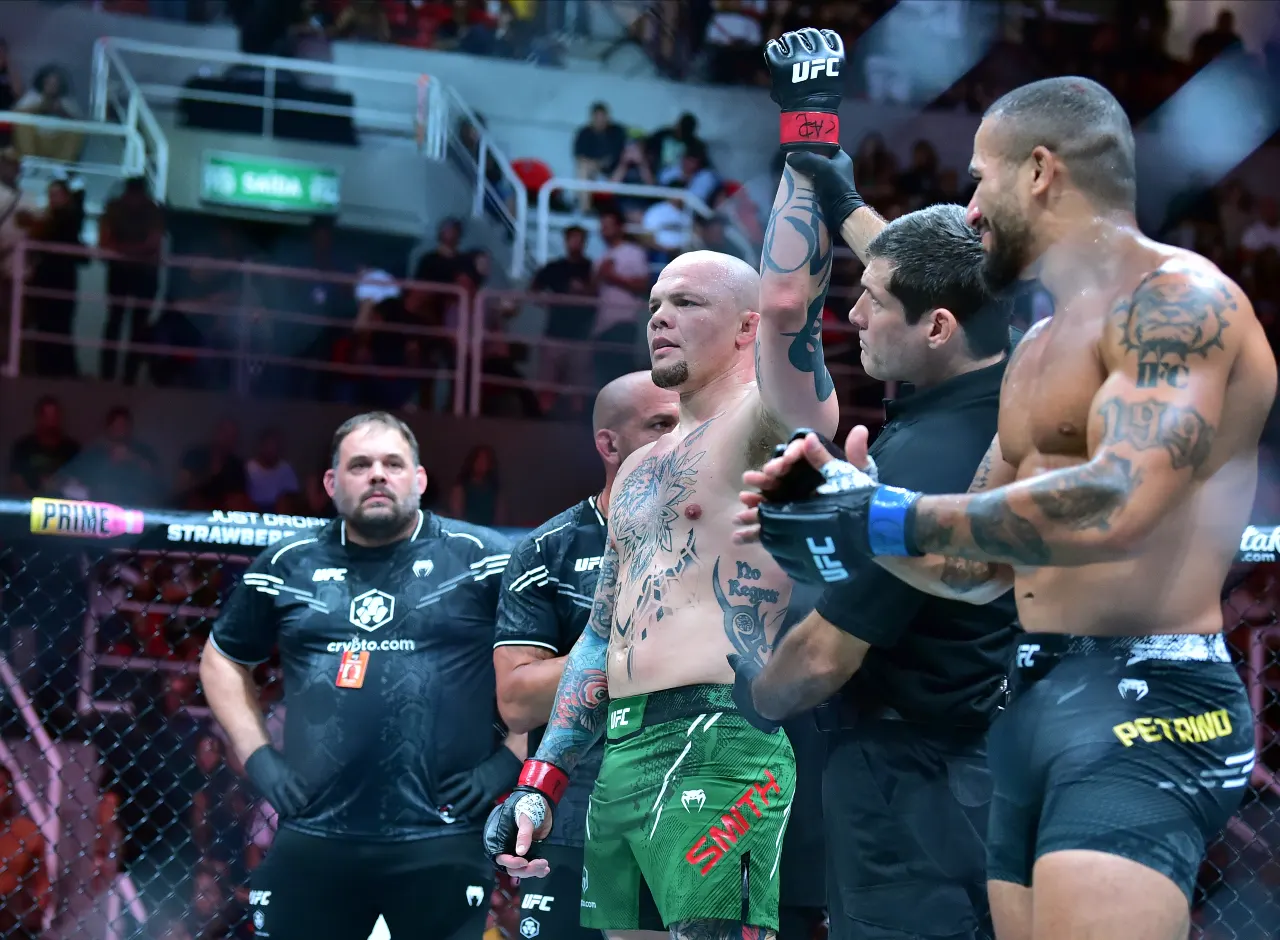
(803, 71)
(830, 568)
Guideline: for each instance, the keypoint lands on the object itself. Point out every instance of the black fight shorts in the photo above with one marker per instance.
(313, 888)
(906, 808)
(551, 907)
(1139, 747)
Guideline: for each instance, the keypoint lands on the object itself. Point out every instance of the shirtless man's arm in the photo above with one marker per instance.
(795, 269)
(582, 698)
(1151, 431)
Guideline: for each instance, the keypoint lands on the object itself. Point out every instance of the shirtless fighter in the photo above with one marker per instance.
(1112, 501)
(685, 824)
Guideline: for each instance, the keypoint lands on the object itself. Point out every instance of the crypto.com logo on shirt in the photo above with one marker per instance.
(361, 645)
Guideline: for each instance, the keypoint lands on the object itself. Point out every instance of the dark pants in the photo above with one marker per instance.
(906, 809)
(312, 888)
(131, 289)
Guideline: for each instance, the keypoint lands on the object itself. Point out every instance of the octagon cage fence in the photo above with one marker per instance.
(128, 816)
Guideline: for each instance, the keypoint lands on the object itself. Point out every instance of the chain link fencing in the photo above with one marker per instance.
(125, 815)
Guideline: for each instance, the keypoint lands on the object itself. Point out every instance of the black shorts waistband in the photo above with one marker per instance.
(633, 713)
(1038, 652)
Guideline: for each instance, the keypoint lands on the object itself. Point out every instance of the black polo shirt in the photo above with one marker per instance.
(931, 659)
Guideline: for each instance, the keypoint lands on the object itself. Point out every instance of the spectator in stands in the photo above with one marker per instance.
(667, 146)
(920, 180)
(57, 274)
(49, 96)
(37, 457)
(875, 168)
(10, 89)
(1214, 42)
(597, 147)
(213, 817)
(119, 468)
(210, 473)
(207, 912)
(441, 264)
(25, 889)
(1263, 233)
(14, 203)
(476, 496)
(132, 225)
(667, 226)
(696, 175)
(362, 19)
(465, 32)
(733, 40)
(622, 284)
(1235, 212)
(570, 276)
(712, 235)
(633, 167)
(268, 473)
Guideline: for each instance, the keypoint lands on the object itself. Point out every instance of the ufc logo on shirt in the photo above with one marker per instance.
(804, 70)
(330, 574)
(259, 898)
(1027, 654)
(830, 568)
(541, 902)
(586, 564)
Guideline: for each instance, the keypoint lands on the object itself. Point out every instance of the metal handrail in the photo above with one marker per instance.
(419, 124)
(692, 204)
(247, 269)
(132, 160)
(137, 114)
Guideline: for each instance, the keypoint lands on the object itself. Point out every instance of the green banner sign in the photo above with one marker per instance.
(249, 182)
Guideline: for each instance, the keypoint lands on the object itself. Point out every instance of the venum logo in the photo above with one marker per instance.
(372, 609)
(422, 569)
(475, 895)
(693, 797)
(1135, 689)
(806, 69)
(831, 569)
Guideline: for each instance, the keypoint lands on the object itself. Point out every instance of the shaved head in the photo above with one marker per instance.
(714, 270)
(703, 310)
(630, 412)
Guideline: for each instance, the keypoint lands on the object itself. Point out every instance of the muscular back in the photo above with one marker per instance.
(1161, 383)
(687, 596)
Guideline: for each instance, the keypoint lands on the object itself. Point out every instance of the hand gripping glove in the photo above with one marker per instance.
(814, 536)
(541, 784)
(467, 792)
(744, 673)
(278, 783)
(833, 179)
(806, 71)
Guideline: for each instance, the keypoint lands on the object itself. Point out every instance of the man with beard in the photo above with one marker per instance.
(677, 604)
(1115, 491)
(384, 621)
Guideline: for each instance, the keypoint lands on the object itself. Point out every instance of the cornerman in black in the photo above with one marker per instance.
(906, 791)
(384, 620)
(547, 594)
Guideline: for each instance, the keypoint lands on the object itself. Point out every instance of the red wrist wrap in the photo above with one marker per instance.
(810, 127)
(547, 779)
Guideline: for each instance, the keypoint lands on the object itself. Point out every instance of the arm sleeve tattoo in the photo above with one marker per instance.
(582, 698)
(1154, 418)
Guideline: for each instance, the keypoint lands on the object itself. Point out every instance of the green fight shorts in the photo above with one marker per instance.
(692, 804)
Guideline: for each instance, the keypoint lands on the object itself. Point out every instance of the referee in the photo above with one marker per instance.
(546, 599)
(384, 621)
(906, 789)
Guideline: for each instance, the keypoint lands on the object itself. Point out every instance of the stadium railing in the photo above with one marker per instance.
(116, 792)
(243, 334)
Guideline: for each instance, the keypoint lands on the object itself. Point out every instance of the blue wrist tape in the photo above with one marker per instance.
(887, 520)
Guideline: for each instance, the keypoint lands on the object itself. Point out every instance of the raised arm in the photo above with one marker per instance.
(582, 697)
(1169, 354)
(795, 269)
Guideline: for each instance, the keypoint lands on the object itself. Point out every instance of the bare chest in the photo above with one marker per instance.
(1049, 388)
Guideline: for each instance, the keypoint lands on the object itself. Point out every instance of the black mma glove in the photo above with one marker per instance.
(278, 783)
(806, 71)
(540, 787)
(471, 790)
(744, 673)
(833, 179)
